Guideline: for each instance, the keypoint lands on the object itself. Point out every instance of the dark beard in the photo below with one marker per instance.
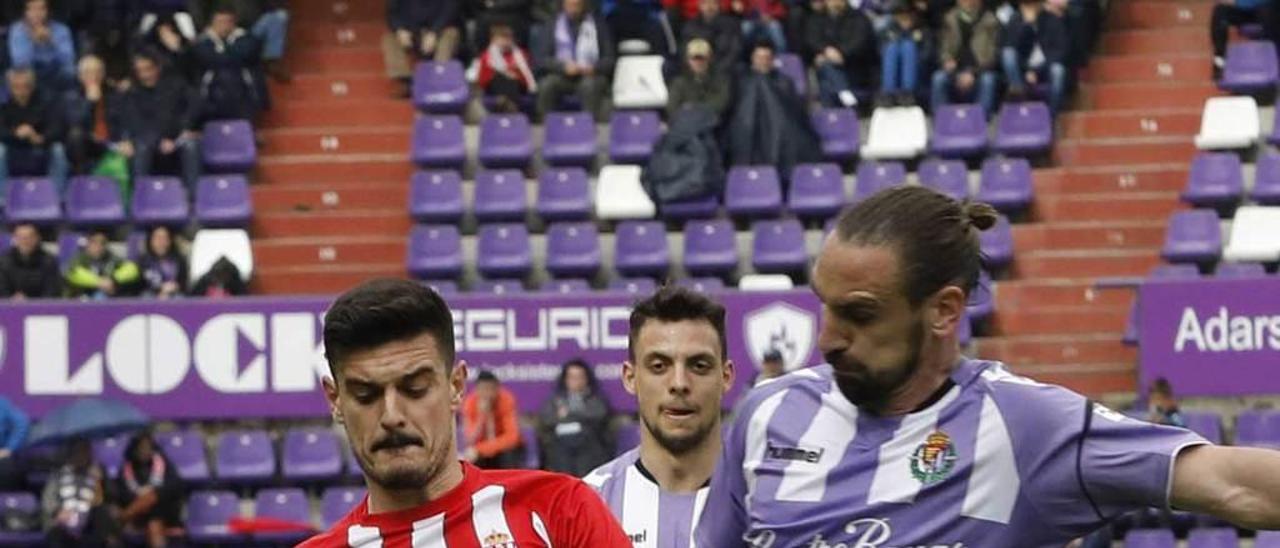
(679, 445)
(404, 478)
(872, 391)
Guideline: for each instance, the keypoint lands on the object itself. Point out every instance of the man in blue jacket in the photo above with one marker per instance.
(44, 45)
(13, 431)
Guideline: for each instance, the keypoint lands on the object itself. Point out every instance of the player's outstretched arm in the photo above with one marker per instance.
(1237, 484)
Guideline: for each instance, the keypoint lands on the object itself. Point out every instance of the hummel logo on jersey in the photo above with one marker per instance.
(810, 456)
(639, 538)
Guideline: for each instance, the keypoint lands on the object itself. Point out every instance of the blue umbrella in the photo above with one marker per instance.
(87, 418)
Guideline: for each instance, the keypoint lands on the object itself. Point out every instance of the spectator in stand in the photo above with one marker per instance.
(1035, 51)
(770, 123)
(577, 59)
(425, 29)
(1163, 406)
(641, 20)
(173, 50)
(512, 13)
(270, 25)
(573, 425)
(799, 18)
(158, 119)
(503, 70)
(26, 271)
(970, 40)
(1235, 13)
(905, 44)
(96, 273)
(845, 58)
(761, 20)
(76, 509)
(698, 84)
(720, 31)
(686, 10)
(87, 116)
(149, 12)
(31, 131)
(491, 429)
(164, 269)
(44, 45)
(230, 59)
(771, 367)
(14, 424)
(221, 281)
(148, 491)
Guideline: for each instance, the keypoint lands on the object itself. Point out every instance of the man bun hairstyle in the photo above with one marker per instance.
(381, 311)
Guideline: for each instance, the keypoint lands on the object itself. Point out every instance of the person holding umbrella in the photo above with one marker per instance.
(149, 491)
(75, 506)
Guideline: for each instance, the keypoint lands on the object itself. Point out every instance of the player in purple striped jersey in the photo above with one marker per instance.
(901, 442)
(678, 371)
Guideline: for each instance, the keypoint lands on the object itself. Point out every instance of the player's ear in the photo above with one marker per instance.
(331, 394)
(728, 374)
(629, 377)
(947, 310)
(457, 383)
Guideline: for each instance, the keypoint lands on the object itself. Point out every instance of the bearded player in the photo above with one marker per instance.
(678, 371)
(396, 388)
(901, 441)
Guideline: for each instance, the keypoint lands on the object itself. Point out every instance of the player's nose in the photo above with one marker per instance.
(830, 336)
(392, 415)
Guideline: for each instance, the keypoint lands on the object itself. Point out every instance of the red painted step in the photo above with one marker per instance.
(1090, 380)
(321, 280)
(1034, 294)
(1093, 263)
(330, 196)
(368, 222)
(1089, 235)
(1111, 179)
(340, 140)
(1057, 350)
(1061, 321)
(1165, 40)
(349, 34)
(1118, 207)
(332, 169)
(1129, 96)
(371, 112)
(1168, 67)
(335, 88)
(1184, 123)
(273, 252)
(1158, 15)
(337, 59)
(1121, 152)
(328, 11)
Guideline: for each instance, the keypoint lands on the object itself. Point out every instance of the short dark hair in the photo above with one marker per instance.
(936, 236)
(385, 310)
(487, 376)
(766, 44)
(673, 304)
(224, 8)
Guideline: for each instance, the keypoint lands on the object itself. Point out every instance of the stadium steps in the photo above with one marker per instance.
(1112, 179)
(342, 140)
(330, 279)
(320, 34)
(1123, 151)
(1138, 123)
(310, 251)
(1062, 320)
(307, 12)
(1145, 95)
(1107, 207)
(363, 222)
(372, 111)
(1160, 15)
(353, 87)
(1133, 42)
(1058, 292)
(351, 57)
(1160, 67)
(331, 168)
(1084, 263)
(1038, 350)
(1143, 234)
(329, 196)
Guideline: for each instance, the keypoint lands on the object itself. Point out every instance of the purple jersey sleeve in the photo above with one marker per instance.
(724, 517)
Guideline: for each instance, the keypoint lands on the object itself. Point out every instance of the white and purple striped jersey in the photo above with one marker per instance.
(998, 461)
(652, 517)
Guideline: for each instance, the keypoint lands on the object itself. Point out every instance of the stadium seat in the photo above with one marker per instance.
(1217, 537)
(790, 65)
(1024, 129)
(573, 250)
(185, 450)
(710, 248)
(619, 194)
(160, 201)
(1228, 123)
(440, 87)
(778, 247)
(701, 285)
(21, 504)
(1266, 179)
(765, 282)
(1215, 180)
(565, 287)
(997, 244)
(228, 146)
(1006, 184)
(529, 443)
(207, 515)
(897, 133)
(435, 251)
(498, 287)
(500, 196)
(570, 139)
(135, 244)
(697, 208)
(950, 177)
(1205, 423)
(1150, 538)
(109, 453)
(94, 201)
(244, 457)
(33, 200)
(816, 191)
(69, 244)
(211, 244)
(634, 286)
(438, 142)
(1251, 67)
(435, 196)
(981, 303)
(640, 249)
(632, 135)
(287, 504)
(564, 195)
(223, 201)
(959, 131)
(1267, 539)
(1193, 237)
(753, 192)
(503, 251)
(310, 454)
(1253, 235)
(638, 82)
(336, 502)
(839, 132)
(1258, 428)
(1240, 270)
(873, 176)
(505, 141)
(443, 287)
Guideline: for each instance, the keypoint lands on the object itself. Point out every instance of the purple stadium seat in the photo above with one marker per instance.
(1193, 237)
(228, 146)
(1240, 270)
(997, 244)
(1024, 128)
(435, 251)
(135, 244)
(223, 201)
(778, 247)
(632, 134)
(185, 449)
(1006, 184)
(634, 286)
(982, 301)
(838, 129)
(94, 201)
(21, 504)
(1267, 539)
(160, 201)
(435, 196)
(503, 251)
(208, 513)
(1174, 272)
(628, 437)
(1258, 428)
(564, 195)
(790, 65)
(1150, 538)
(443, 287)
(874, 176)
(285, 503)
(701, 285)
(500, 196)
(959, 131)
(573, 249)
(1205, 423)
(753, 192)
(109, 452)
(438, 142)
(710, 248)
(563, 287)
(310, 454)
(1266, 179)
(1215, 180)
(69, 244)
(498, 287)
(33, 200)
(640, 249)
(1251, 67)
(697, 208)
(949, 177)
(440, 87)
(336, 502)
(816, 191)
(570, 139)
(1217, 537)
(505, 141)
(245, 457)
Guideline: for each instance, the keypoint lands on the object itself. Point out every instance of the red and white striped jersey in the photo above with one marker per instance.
(489, 509)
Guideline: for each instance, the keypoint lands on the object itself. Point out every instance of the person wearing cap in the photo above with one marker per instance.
(697, 84)
(720, 30)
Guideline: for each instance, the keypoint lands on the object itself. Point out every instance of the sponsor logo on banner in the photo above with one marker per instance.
(783, 327)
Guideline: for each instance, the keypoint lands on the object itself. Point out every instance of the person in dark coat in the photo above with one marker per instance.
(1035, 50)
(148, 491)
(268, 21)
(26, 271)
(845, 55)
(698, 84)
(174, 50)
(720, 30)
(573, 425)
(230, 62)
(158, 119)
(905, 46)
(87, 115)
(31, 131)
(487, 13)
(577, 57)
(969, 43)
(425, 29)
(770, 123)
(164, 269)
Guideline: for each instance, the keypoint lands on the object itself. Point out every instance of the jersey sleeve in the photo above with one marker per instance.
(724, 516)
(583, 521)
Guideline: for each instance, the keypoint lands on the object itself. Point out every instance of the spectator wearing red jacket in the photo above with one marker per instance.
(503, 69)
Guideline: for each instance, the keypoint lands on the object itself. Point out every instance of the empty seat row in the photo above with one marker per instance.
(221, 200)
(1195, 236)
(242, 457)
(506, 140)
(1216, 180)
(208, 513)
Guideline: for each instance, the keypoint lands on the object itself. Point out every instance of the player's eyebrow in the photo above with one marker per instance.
(422, 370)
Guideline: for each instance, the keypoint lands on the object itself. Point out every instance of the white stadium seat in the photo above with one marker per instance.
(1255, 235)
(897, 133)
(1229, 123)
(619, 194)
(638, 83)
(209, 245)
(765, 282)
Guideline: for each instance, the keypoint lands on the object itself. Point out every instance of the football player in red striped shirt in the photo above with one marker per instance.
(396, 388)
